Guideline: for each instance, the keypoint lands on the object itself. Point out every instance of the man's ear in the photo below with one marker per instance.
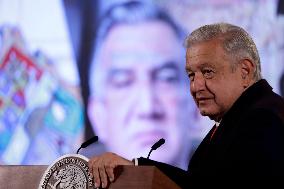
(97, 117)
(247, 72)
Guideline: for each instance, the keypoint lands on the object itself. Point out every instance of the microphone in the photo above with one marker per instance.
(88, 142)
(156, 146)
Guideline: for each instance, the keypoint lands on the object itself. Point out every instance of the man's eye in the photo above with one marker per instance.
(167, 75)
(190, 76)
(120, 79)
(208, 73)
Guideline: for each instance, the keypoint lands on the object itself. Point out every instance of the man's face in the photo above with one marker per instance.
(144, 91)
(213, 84)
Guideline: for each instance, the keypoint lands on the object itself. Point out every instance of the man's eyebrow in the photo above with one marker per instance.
(201, 65)
(116, 69)
(113, 71)
(169, 64)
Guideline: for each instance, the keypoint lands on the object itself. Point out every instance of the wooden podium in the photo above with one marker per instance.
(21, 176)
(139, 177)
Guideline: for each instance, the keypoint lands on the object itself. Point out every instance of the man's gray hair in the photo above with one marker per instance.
(236, 42)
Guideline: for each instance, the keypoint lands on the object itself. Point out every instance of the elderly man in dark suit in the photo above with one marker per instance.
(223, 66)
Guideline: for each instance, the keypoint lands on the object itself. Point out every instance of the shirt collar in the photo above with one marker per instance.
(217, 123)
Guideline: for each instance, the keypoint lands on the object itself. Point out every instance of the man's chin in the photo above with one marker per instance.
(146, 139)
(204, 112)
(208, 114)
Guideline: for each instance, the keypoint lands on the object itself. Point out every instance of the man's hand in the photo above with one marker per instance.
(102, 168)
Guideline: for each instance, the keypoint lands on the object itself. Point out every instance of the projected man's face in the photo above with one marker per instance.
(144, 92)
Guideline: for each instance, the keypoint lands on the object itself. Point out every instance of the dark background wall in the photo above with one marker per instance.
(82, 22)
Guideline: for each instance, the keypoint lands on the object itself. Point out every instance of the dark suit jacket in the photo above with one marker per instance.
(249, 142)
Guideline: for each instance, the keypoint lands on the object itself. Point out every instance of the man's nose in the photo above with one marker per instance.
(198, 84)
(149, 103)
(147, 97)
